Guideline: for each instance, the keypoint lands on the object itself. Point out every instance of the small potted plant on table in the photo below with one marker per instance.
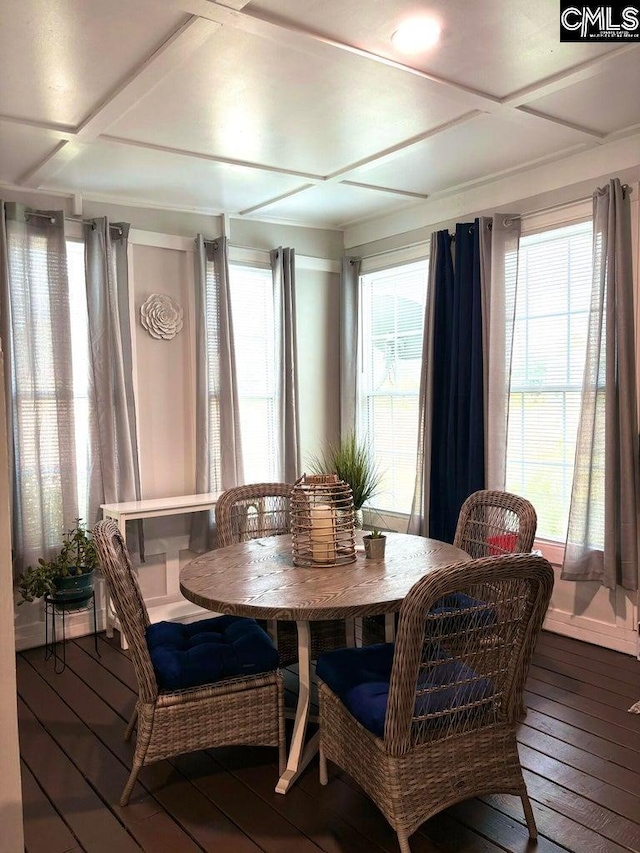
(374, 545)
(66, 578)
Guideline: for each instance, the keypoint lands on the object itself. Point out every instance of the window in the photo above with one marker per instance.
(80, 367)
(392, 303)
(550, 333)
(49, 351)
(254, 339)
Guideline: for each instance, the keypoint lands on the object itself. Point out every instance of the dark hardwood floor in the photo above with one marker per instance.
(579, 746)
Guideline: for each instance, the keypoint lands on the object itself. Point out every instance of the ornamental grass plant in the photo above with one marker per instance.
(352, 460)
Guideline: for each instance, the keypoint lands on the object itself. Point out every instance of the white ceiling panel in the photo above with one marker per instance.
(333, 205)
(248, 98)
(135, 174)
(59, 58)
(492, 46)
(21, 147)
(153, 99)
(607, 102)
(485, 146)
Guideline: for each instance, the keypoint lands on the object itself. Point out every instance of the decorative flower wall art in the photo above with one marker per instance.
(161, 316)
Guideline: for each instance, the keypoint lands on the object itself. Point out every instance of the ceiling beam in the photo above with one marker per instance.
(181, 44)
(596, 134)
(388, 154)
(270, 201)
(563, 79)
(213, 158)
(63, 153)
(388, 190)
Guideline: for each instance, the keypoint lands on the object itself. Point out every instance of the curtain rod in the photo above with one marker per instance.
(234, 245)
(598, 191)
(29, 213)
(507, 221)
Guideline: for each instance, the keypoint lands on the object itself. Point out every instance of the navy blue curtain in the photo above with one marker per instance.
(457, 449)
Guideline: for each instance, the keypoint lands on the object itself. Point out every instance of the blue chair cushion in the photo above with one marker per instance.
(211, 650)
(360, 678)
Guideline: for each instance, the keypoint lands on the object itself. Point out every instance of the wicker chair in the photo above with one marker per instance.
(238, 710)
(490, 523)
(251, 512)
(262, 509)
(420, 728)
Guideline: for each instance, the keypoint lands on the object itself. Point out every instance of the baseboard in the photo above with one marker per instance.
(33, 634)
(619, 639)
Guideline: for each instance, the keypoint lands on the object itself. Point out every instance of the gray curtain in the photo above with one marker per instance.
(602, 536)
(499, 242)
(349, 290)
(115, 474)
(36, 331)
(218, 440)
(419, 518)
(287, 415)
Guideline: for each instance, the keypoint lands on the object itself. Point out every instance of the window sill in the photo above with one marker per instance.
(552, 551)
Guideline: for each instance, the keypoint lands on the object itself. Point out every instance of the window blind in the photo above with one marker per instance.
(80, 367)
(392, 303)
(550, 333)
(254, 339)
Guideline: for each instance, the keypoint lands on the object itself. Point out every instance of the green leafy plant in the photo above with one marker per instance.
(77, 556)
(352, 460)
(376, 534)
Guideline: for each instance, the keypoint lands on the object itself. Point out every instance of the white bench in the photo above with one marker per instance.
(154, 508)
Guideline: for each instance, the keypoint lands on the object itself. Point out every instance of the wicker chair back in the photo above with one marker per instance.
(263, 509)
(491, 523)
(459, 670)
(252, 511)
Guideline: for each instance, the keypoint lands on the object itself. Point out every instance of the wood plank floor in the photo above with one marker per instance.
(580, 749)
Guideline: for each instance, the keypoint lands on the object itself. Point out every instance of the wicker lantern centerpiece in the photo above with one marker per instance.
(322, 521)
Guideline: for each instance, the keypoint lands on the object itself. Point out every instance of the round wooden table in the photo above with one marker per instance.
(258, 579)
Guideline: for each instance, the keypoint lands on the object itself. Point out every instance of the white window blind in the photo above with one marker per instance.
(80, 364)
(392, 303)
(254, 338)
(552, 305)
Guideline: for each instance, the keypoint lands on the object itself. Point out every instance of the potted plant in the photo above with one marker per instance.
(67, 577)
(352, 460)
(374, 545)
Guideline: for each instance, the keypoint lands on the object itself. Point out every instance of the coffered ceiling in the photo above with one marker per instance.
(296, 110)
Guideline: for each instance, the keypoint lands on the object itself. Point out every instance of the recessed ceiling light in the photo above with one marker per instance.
(416, 35)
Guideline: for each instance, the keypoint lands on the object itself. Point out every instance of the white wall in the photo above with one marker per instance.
(165, 375)
(317, 321)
